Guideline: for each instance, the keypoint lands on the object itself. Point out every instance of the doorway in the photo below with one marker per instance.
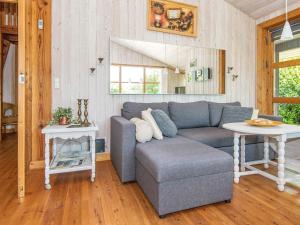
(278, 79)
(9, 82)
(9, 72)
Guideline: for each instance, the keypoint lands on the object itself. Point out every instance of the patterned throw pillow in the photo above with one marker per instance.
(165, 124)
(233, 114)
(146, 115)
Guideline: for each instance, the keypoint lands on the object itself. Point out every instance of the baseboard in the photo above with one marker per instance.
(34, 165)
(102, 156)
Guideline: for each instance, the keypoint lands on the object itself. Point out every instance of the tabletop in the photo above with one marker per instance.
(277, 130)
(50, 129)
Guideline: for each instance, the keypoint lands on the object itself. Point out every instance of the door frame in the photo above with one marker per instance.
(265, 64)
(21, 96)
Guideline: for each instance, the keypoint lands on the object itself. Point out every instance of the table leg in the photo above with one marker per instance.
(266, 152)
(47, 159)
(54, 147)
(236, 158)
(243, 157)
(281, 145)
(93, 152)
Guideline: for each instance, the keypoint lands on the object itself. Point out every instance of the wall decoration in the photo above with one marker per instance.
(172, 17)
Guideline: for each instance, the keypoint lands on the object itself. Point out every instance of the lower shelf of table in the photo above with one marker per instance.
(70, 164)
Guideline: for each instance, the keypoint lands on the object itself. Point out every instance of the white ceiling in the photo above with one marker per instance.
(260, 8)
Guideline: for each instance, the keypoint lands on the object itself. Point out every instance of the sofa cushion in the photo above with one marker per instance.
(165, 124)
(143, 130)
(134, 109)
(215, 137)
(179, 158)
(233, 114)
(189, 115)
(147, 116)
(215, 111)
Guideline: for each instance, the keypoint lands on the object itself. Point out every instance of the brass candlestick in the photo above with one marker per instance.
(79, 113)
(86, 121)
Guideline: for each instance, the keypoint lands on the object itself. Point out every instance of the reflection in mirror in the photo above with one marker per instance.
(138, 67)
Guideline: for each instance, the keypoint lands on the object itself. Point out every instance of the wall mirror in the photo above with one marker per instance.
(139, 67)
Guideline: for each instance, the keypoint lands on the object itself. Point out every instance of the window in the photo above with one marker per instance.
(127, 79)
(287, 80)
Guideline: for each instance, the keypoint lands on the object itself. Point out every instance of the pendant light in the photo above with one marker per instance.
(287, 33)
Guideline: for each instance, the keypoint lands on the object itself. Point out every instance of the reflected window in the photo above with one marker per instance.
(126, 79)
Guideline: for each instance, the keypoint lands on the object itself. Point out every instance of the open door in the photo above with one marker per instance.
(21, 96)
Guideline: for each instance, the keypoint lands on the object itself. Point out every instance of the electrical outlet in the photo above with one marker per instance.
(56, 83)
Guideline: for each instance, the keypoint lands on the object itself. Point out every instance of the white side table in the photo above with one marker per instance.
(63, 164)
(280, 134)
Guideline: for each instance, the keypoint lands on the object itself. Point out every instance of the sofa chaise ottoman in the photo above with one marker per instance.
(179, 174)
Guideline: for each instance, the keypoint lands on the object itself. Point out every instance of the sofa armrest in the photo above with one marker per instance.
(271, 117)
(122, 147)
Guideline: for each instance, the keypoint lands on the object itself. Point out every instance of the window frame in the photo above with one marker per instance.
(144, 83)
(265, 64)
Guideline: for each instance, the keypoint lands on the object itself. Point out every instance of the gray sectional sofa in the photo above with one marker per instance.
(192, 169)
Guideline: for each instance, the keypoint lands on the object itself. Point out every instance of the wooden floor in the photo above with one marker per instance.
(75, 200)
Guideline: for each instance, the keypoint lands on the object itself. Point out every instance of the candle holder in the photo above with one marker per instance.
(79, 113)
(86, 122)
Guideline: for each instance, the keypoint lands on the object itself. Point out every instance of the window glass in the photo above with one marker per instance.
(132, 88)
(114, 73)
(287, 82)
(114, 88)
(132, 74)
(289, 55)
(289, 112)
(135, 80)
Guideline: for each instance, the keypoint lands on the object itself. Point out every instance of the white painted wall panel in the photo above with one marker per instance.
(81, 32)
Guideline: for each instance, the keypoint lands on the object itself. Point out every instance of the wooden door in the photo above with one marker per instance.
(21, 96)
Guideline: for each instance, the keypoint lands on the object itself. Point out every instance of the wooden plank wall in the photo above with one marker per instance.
(38, 88)
(81, 32)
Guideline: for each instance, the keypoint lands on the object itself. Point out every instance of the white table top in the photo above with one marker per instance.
(278, 130)
(50, 129)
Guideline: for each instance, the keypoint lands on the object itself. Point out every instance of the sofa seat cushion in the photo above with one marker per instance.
(179, 158)
(215, 137)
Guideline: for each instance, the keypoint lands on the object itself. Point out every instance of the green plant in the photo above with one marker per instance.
(289, 86)
(61, 112)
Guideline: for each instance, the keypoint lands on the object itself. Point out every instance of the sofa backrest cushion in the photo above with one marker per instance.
(233, 114)
(189, 115)
(215, 111)
(134, 109)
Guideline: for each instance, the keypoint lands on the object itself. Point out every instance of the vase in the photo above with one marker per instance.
(63, 121)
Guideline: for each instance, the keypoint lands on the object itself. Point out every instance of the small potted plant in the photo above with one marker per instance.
(62, 116)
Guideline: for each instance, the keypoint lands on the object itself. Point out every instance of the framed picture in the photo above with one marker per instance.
(172, 17)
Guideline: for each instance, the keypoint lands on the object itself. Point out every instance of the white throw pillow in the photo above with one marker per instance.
(254, 114)
(143, 130)
(146, 115)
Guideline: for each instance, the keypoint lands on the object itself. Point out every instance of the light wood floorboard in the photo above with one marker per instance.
(75, 200)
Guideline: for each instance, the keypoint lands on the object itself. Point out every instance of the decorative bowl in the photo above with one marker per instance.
(263, 123)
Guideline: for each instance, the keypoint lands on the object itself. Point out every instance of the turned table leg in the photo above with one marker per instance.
(93, 152)
(236, 158)
(243, 153)
(281, 151)
(266, 152)
(47, 168)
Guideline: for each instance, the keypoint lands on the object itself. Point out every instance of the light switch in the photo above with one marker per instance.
(56, 83)
(41, 24)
